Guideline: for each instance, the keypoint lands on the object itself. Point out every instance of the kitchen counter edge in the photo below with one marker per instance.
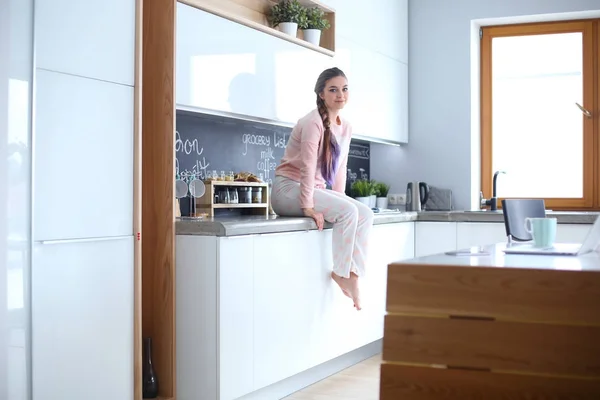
(256, 225)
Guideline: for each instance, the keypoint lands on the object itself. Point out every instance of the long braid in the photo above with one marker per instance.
(331, 149)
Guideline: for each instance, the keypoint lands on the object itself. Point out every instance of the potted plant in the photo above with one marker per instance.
(381, 191)
(313, 24)
(362, 190)
(288, 15)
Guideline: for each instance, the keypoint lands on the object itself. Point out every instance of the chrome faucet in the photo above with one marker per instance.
(493, 202)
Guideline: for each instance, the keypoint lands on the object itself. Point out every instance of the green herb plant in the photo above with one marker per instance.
(288, 11)
(362, 188)
(315, 19)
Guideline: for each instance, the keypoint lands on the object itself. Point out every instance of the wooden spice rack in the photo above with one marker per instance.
(207, 202)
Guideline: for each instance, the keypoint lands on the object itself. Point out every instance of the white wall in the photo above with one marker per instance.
(440, 148)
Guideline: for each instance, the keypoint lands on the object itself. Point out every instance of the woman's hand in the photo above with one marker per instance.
(318, 217)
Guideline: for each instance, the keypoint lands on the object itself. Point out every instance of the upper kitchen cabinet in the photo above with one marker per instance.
(223, 65)
(378, 102)
(380, 25)
(83, 158)
(95, 39)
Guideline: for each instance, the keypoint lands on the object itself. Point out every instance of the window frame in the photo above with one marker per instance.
(591, 87)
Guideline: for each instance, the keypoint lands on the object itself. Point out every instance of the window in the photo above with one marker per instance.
(539, 112)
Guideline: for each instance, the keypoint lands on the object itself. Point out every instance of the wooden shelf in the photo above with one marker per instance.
(235, 205)
(235, 183)
(207, 201)
(253, 14)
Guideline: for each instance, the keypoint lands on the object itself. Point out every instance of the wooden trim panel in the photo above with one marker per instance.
(137, 207)
(493, 345)
(591, 53)
(158, 191)
(423, 383)
(253, 14)
(510, 294)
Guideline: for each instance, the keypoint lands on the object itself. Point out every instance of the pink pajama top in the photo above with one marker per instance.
(301, 160)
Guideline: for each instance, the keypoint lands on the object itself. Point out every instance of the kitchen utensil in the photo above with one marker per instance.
(439, 199)
(417, 194)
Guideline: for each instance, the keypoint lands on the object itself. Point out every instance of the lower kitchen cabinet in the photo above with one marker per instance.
(572, 233)
(479, 234)
(82, 319)
(261, 308)
(434, 237)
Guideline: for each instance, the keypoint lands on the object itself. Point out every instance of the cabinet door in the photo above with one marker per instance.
(572, 233)
(389, 36)
(290, 281)
(378, 102)
(83, 169)
(87, 38)
(242, 70)
(236, 316)
(479, 234)
(389, 243)
(82, 320)
(434, 238)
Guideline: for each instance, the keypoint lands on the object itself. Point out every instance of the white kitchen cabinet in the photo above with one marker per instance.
(262, 308)
(82, 320)
(388, 34)
(291, 288)
(237, 315)
(479, 234)
(242, 70)
(215, 316)
(434, 237)
(378, 101)
(311, 311)
(83, 167)
(572, 233)
(85, 38)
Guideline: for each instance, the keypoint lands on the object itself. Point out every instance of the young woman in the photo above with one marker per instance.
(316, 155)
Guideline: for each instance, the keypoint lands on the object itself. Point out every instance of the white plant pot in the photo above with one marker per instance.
(365, 200)
(373, 201)
(382, 202)
(312, 36)
(289, 28)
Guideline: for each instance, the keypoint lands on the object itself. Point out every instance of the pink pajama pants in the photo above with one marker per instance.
(351, 219)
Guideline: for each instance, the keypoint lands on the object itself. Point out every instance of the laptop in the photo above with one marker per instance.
(592, 240)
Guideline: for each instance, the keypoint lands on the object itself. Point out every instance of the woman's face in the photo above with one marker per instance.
(335, 93)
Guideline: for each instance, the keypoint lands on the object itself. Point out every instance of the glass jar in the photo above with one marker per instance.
(233, 195)
(257, 195)
(245, 194)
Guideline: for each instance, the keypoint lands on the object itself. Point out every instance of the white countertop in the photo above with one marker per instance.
(498, 259)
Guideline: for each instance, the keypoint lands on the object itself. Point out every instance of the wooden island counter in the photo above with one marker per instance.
(492, 327)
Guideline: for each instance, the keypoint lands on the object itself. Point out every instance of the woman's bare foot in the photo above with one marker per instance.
(349, 287)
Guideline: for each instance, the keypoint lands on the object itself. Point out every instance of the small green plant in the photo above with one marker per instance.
(288, 11)
(362, 188)
(381, 189)
(315, 19)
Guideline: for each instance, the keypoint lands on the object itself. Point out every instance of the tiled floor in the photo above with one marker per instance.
(359, 382)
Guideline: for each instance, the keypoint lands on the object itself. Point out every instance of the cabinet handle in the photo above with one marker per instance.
(84, 240)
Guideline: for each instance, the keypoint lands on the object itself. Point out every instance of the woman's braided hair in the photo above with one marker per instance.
(331, 148)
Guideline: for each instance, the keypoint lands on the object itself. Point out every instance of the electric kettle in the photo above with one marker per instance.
(417, 194)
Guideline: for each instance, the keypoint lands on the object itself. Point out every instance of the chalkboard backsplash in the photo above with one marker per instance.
(206, 143)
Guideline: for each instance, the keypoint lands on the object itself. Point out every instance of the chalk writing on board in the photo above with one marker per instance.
(353, 176)
(359, 151)
(267, 161)
(188, 147)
